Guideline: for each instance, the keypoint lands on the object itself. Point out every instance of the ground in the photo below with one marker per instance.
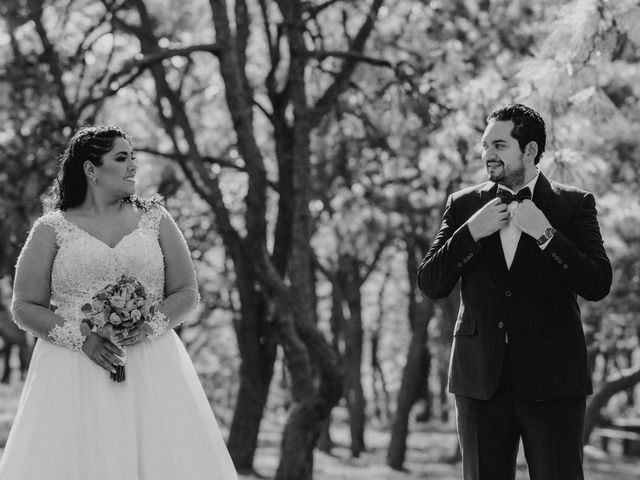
(430, 446)
(429, 450)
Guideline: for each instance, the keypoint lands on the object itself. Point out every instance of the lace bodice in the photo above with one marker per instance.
(84, 264)
(64, 266)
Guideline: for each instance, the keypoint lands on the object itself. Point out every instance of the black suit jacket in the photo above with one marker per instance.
(534, 302)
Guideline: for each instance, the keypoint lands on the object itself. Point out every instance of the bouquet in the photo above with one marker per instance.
(117, 308)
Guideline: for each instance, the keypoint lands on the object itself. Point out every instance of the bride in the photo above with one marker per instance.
(73, 422)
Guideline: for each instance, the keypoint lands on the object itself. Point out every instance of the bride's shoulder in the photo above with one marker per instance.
(50, 218)
(155, 202)
(153, 210)
(51, 225)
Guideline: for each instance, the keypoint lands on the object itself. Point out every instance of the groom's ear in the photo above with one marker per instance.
(531, 150)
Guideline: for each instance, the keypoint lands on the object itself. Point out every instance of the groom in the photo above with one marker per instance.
(525, 248)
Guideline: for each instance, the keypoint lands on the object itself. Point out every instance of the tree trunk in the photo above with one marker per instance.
(312, 401)
(443, 377)
(353, 373)
(325, 443)
(425, 390)
(258, 352)
(337, 322)
(311, 406)
(600, 398)
(409, 387)
(449, 306)
(379, 384)
(299, 440)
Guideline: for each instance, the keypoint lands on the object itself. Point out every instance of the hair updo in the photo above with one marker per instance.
(69, 188)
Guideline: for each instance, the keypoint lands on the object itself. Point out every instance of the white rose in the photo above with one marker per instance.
(114, 319)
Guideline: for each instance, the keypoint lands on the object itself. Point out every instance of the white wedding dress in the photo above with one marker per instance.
(73, 422)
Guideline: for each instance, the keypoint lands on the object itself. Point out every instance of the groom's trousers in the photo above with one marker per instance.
(489, 432)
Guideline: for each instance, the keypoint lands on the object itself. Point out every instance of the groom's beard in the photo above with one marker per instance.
(509, 177)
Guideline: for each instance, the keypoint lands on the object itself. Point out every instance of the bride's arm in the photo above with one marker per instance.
(181, 288)
(32, 292)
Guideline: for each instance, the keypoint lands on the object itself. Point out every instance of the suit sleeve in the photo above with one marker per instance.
(452, 249)
(583, 261)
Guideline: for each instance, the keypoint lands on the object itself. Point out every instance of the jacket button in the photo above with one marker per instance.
(508, 293)
(459, 265)
(500, 324)
(565, 266)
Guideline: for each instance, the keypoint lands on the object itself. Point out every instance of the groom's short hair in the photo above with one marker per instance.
(528, 125)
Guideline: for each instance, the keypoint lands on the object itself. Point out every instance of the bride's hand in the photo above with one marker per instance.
(134, 336)
(102, 352)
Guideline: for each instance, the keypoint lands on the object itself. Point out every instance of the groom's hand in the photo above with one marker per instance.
(488, 220)
(530, 219)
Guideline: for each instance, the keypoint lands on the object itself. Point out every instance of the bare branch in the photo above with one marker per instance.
(274, 54)
(51, 56)
(263, 109)
(371, 267)
(351, 55)
(313, 10)
(182, 157)
(240, 102)
(110, 90)
(331, 94)
(243, 23)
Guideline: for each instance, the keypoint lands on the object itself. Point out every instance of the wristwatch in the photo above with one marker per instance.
(547, 235)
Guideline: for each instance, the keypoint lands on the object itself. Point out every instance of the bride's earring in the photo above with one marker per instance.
(94, 180)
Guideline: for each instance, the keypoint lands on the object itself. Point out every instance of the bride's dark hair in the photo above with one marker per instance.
(69, 188)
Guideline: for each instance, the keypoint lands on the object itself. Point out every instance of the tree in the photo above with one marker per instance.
(286, 106)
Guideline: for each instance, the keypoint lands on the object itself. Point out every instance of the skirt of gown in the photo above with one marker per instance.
(74, 423)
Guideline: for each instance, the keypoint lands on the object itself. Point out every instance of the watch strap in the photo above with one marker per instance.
(547, 235)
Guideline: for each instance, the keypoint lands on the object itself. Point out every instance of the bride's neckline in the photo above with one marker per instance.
(75, 226)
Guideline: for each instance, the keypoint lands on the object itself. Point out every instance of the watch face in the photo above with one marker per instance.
(548, 233)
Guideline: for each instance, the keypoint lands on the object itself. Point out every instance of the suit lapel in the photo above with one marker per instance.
(542, 193)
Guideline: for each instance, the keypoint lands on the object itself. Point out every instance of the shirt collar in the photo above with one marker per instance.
(531, 184)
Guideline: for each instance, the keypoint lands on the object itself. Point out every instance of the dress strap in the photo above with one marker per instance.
(54, 219)
(151, 218)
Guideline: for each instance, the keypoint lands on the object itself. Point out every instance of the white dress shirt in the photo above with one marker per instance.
(510, 235)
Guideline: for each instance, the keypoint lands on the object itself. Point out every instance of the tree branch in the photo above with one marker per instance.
(351, 55)
(313, 10)
(51, 56)
(240, 103)
(243, 23)
(371, 267)
(183, 157)
(325, 103)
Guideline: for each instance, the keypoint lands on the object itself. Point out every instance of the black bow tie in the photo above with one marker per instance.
(508, 197)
